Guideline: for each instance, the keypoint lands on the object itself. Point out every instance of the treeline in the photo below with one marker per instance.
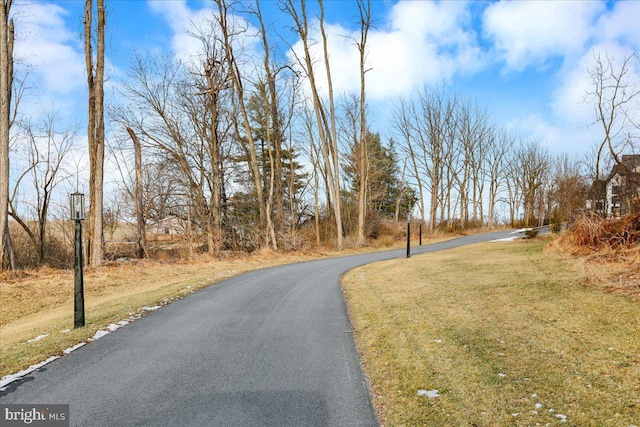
(248, 150)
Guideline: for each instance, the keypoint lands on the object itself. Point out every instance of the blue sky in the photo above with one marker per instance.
(525, 61)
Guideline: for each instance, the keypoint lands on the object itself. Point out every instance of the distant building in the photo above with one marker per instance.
(619, 193)
(167, 228)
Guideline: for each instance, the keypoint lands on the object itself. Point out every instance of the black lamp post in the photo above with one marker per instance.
(409, 236)
(76, 201)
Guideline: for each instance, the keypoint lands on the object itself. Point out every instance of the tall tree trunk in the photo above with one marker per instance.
(95, 130)
(140, 220)
(215, 222)
(333, 140)
(326, 126)
(6, 78)
(364, 6)
(236, 77)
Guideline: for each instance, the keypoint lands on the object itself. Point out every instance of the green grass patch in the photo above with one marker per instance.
(506, 334)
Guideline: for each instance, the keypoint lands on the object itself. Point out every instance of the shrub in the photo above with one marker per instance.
(593, 234)
(531, 233)
(555, 228)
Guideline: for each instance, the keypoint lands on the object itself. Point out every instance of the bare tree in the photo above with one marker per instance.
(326, 120)
(46, 149)
(6, 77)
(616, 98)
(403, 114)
(531, 162)
(500, 143)
(228, 31)
(435, 127)
(95, 127)
(364, 8)
(568, 188)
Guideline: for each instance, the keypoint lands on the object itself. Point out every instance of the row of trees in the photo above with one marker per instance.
(253, 152)
(468, 166)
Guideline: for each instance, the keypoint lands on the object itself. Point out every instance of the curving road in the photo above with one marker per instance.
(268, 348)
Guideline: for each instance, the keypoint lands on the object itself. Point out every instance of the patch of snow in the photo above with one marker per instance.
(437, 341)
(114, 327)
(534, 395)
(8, 379)
(123, 322)
(38, 338)
(562, 418)
(515, 415)
(99, 334)
(432, 394)
(66, 331)
(538, 405)
(154, 308)
(502, 375)
(75, 347)
(505, 239)
(522, 230)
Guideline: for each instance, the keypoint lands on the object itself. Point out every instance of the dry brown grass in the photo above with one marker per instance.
(592, 234)
(504, 332)
(606, 252)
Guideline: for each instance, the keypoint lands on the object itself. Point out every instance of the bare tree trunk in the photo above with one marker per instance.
(364, 7)
(326, 127)
(214, 155)
(333, 141)
(6, 77)
(95, 131)
(236, 78)
(274, 137)
(140, 220)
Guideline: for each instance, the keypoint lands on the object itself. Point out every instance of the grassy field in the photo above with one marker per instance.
(506, 333)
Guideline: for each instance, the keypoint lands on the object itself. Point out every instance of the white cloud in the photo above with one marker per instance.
(621, 24)
(558, 137)
(422, 43)
(616, 34)
(183, 21)
(529, 32)
(45, 43)
(180, 18)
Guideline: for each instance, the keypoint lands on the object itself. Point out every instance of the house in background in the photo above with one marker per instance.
(619, 193)
(167, 229)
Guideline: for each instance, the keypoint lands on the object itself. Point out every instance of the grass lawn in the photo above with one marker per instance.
(505, 332)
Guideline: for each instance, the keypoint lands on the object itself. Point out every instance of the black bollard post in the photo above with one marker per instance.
(409, 237)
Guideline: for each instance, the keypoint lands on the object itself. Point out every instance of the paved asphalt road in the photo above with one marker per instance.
(268, 348)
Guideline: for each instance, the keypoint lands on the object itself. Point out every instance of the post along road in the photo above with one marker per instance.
(267, 348)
